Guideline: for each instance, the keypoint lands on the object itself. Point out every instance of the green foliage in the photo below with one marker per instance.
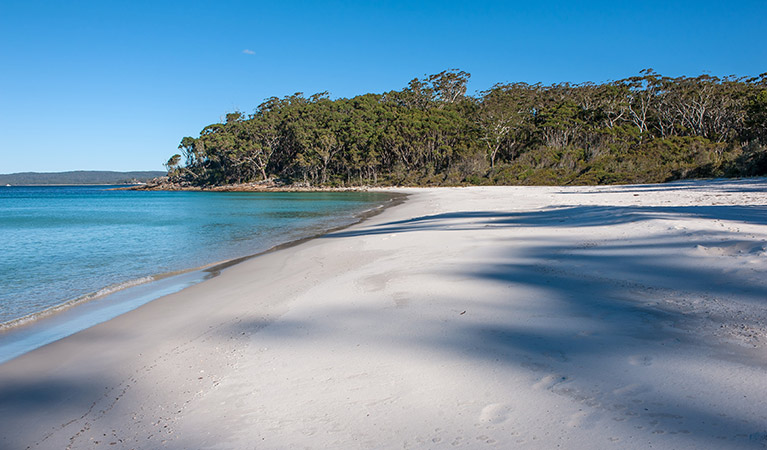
(646, 128)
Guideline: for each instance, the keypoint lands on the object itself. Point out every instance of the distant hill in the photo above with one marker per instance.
(78, 177)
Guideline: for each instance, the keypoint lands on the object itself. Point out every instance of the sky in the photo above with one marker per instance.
(115, 85)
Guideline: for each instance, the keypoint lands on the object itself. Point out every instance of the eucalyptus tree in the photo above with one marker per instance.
(505, 119)
(558, 117)
(641, 92)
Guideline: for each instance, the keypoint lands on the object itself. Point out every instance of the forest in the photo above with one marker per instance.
(643, 129)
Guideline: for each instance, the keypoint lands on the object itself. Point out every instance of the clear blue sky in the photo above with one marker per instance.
(102, 85)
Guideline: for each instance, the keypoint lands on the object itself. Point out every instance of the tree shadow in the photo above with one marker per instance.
(80, 401)
(722, 185)
(642, 302)
(562, 362)
(562, 217)
(30, 405)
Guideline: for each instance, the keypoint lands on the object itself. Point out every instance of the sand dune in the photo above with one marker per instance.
(507, 317)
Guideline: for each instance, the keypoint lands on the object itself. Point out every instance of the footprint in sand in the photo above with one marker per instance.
(579, 420)
(640, 360)
(632, 389)
(401, 300)
(549, 381)
(495, 413)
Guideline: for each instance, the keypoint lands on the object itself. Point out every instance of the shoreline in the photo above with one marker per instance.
(273, 186)
(150, 288)
(582, 317)
(256, 186)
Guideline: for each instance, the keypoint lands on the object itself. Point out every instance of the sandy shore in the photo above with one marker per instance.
(507, 317)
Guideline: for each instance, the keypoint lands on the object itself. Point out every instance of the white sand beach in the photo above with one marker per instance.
(625, 317)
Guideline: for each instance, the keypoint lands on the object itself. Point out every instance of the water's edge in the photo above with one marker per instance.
(22, 335)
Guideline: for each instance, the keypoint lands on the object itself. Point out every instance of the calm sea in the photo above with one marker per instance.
(73, 243)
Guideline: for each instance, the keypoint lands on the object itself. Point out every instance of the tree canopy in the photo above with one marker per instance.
(645, 128)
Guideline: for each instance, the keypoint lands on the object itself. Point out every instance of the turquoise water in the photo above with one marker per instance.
(71, 243)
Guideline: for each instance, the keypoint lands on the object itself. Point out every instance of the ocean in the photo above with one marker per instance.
(64, 245)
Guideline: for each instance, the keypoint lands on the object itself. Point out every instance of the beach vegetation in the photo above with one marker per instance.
(641, 129)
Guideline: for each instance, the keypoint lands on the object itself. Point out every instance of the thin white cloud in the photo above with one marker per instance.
(248, 51)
